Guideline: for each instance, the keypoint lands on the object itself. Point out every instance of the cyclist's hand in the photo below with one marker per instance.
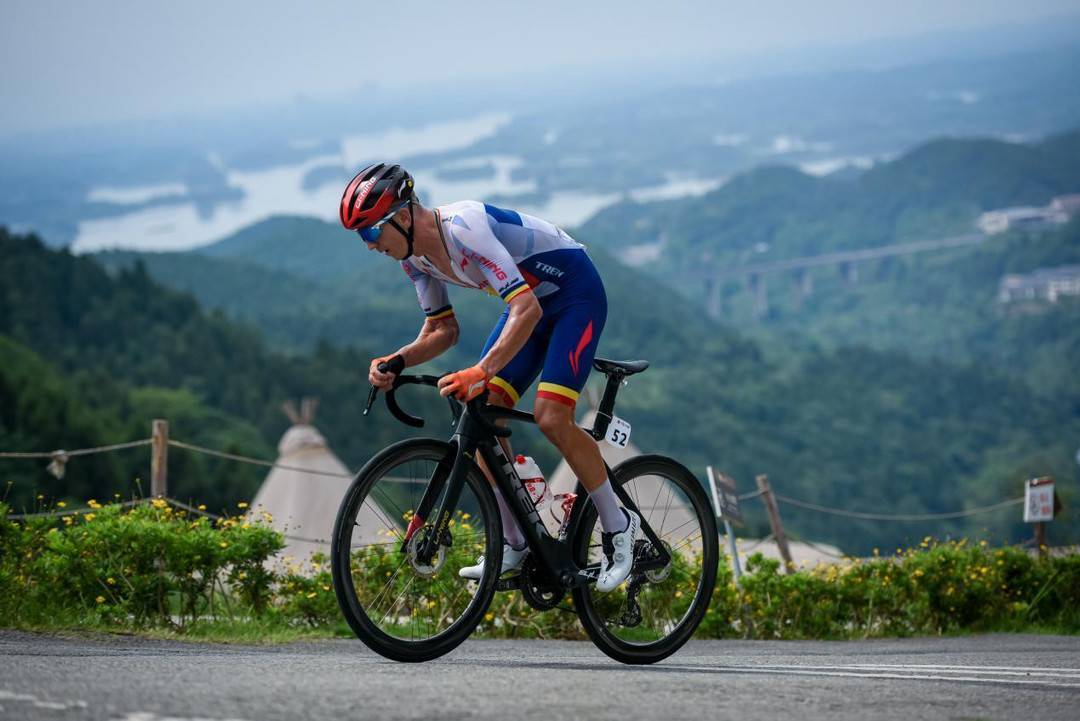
(465, 384)
(376, 377)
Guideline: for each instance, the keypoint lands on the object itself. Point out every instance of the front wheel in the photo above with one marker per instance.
(402, 604)
(657, 610)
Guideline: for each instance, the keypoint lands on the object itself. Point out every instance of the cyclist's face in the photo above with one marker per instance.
(390, 241)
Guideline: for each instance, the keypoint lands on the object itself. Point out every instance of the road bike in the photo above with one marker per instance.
(421, 509)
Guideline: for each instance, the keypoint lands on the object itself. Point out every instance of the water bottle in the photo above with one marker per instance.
(554, 509)
(533, 478)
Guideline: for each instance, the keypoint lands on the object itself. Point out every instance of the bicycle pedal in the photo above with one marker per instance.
(512, 583)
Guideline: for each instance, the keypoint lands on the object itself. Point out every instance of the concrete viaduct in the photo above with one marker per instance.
(800, 267)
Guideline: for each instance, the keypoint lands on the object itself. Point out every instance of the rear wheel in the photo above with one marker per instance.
(657, 610)
(404, 606)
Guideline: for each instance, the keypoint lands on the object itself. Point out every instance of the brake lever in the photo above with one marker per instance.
(370, 399)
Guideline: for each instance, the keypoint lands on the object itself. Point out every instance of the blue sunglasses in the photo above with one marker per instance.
(372, 233)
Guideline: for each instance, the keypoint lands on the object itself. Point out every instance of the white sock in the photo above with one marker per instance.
(511, 530)
(612, 518)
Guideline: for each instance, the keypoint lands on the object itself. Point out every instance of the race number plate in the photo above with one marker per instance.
(618, 433)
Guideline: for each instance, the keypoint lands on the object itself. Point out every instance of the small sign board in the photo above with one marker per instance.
(1039, 500)
(618, 432)
(725, 501)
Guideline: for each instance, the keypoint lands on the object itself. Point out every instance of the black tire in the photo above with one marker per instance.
(441, 610)
(669, 621)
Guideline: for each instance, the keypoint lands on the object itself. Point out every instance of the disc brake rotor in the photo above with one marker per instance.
(412, 553)
(656, 575)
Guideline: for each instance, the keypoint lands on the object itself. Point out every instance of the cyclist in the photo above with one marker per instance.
(555, 311)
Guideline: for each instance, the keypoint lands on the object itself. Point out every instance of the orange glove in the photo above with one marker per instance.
(465, 384)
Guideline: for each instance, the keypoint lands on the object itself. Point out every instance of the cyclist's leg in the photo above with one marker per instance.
(505, 390)
(566, 368)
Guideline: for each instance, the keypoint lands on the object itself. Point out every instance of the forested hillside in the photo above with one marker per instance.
(852, 428)
(91, 358)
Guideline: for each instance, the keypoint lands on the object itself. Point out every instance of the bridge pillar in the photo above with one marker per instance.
(714, 304)
(761, 295)
(805, 283)
(851, 271)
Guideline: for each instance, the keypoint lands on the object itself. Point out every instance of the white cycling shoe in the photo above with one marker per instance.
(618, 556)
(511, 561)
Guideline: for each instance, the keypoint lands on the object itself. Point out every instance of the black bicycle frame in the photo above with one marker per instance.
(476, 434)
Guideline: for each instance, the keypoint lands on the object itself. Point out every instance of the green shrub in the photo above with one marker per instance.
(150, 566)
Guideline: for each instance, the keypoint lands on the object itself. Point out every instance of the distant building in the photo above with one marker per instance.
(1067, 204)
(999, 221)
(1046, 284)
(1058, 211)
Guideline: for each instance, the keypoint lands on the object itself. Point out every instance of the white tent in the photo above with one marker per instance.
(304, 489)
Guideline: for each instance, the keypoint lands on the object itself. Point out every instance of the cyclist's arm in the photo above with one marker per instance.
(436, 336)
(525, 313)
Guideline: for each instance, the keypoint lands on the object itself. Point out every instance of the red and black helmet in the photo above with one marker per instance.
(377, 191)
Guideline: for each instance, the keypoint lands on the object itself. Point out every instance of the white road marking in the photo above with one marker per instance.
(966, 674)
(38, 703)
(151, 716)
(993, 670)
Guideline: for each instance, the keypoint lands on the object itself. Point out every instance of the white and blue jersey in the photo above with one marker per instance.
(500, 251)
(506, 253)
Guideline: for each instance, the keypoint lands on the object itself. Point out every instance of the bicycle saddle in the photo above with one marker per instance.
(626, 368)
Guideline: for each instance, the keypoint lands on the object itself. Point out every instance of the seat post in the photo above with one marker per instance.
(607, 405)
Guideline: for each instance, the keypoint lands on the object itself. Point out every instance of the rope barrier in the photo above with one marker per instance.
(80, 451)
(63, 455)
(901, 516)
(254, 461)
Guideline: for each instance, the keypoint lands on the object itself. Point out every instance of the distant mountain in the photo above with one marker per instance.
(305, 247)
(774, 213)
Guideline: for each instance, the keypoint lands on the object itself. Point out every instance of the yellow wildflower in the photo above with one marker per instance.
(431, 604)
(90, 516)
(156, 503)
(223, 544)
(242, 575)
(489, 617)
(202, 506)
(100, 599)
(241, 504)
(93, 504)
(326, 588)
(111, 581)
(311, 595)
(61, 504)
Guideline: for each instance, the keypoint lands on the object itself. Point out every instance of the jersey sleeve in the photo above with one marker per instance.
(431, 292)
(473, 236)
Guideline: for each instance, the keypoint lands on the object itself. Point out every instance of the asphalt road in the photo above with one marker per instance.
(129, 679)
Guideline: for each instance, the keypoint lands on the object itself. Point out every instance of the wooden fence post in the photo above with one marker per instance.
(159, 457)
(774, 521)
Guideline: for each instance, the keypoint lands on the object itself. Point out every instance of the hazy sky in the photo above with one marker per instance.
(64, 63)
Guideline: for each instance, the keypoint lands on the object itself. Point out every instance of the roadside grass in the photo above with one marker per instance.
(159, 573)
